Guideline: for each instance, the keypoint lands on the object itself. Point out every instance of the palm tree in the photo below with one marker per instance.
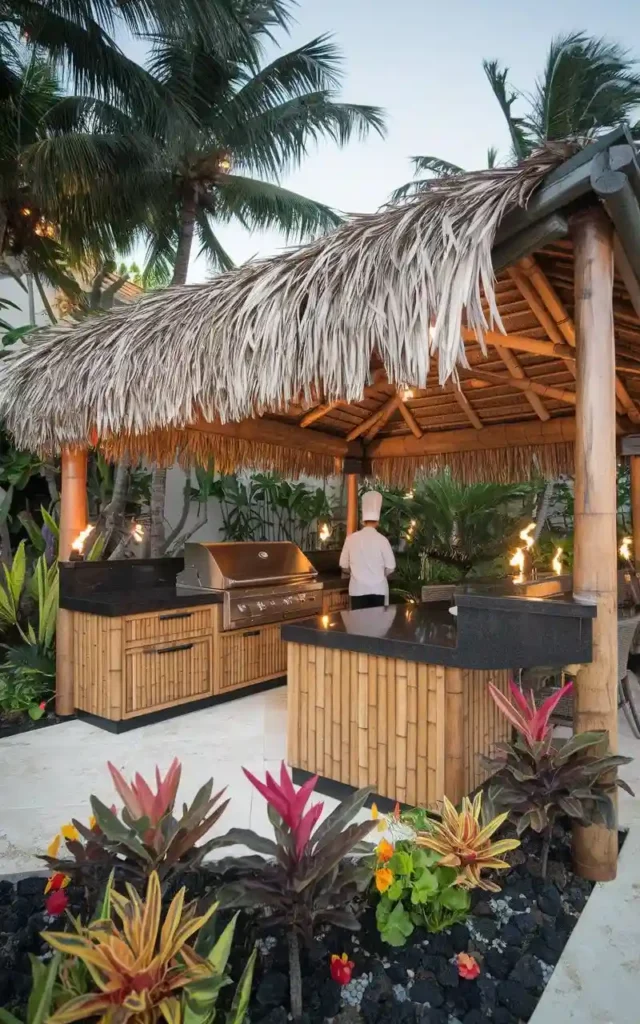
(588, 86)
(255, 120)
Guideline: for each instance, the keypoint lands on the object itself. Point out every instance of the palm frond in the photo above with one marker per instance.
(506, 98)
(210, 246)
(434, 166)
(262, 205)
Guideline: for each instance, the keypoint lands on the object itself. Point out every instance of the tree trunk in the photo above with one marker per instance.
(185, 239)
(543, 509)
(180, 270)
(295, 977)
(114, 512)
(45, 300)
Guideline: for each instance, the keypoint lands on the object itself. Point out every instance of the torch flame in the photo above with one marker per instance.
(525, 535)
(324, 532)
(518, 560)
(556, 562)
(137, 532)
(625, 548)
(79, 542)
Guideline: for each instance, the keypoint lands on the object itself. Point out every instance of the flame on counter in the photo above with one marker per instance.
(324, 532)
(625, 548)
(556, 562)
(325, 621)
(517, 561)
(81, 539)
(137, 532)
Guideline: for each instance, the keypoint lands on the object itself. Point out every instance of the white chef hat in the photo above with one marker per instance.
(371, 505)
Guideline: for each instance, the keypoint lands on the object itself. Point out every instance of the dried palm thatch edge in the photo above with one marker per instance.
(495, 465)
(398, 282)
(229, 454)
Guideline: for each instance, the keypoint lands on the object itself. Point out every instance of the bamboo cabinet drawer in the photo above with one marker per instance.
(248, 656)
(169, 625)
(161, 675)
(334, 601)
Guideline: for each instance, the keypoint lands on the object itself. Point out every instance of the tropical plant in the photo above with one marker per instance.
(536, 780)
(44, 977)
(266, 507)
(306, 882)
(415, 890)
(145, 836)
(464, 843)
(140, 968)
(588, 86)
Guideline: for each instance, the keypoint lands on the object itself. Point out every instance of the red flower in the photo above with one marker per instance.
(468, 966)
(56, 903)
(341, 968)
(290, 804)
(42, 705)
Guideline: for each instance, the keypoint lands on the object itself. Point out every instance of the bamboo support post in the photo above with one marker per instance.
(635, 505)
(595, 559)
(73, 520)
(454, 736)
(352, 503)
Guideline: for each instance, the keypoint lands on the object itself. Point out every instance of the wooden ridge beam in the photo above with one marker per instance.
(286, 435)
(514, 368)
(410, 419)
(466, 407)
(525, 385)
(504, 435)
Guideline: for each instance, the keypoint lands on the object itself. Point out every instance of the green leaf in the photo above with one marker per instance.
(240, 1004)
(582, 741)
(8, 1018)
(35, 712)
(455, 898)
(395, 890)
(245, 837)
(398, 926)
(401, 863)
(116, 831)
(424, 887)
(50, 522)
(341, 816)
(39, 1008)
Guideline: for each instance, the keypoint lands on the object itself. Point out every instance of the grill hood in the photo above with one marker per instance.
(231, 564)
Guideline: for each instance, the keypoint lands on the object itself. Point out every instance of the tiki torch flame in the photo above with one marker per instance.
(518, 561)
(525, 535)
(137, 532)
(324, 532)
(625, 548)
(79, 542)
(556, 562)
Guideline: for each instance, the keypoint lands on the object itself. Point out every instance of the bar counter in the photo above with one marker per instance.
(397, 697)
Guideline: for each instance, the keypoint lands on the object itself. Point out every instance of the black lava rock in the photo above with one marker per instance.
(577, 897)
(9, 920)
(273, 989)
(488, 989)
(440, 945)
(511, 934)
(553, 937)
(330, 998)
(397, 974)
(474, 1017)
(541, 950)
(502, 1016)
(32, 887)
(549, 901)
(447, 974)
(460, 938)
(6, 892)
(497, 964)
(525, 923)
(426, 992)
(516, 999)
(410, 957)
(430, 1015)
(527, 972)
(277, 1016)
(486, 927)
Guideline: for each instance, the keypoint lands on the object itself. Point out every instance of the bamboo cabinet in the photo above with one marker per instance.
(129, 666)
(412, 731)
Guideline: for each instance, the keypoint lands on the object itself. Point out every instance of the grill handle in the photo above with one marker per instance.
(169, 650)
(176, 615)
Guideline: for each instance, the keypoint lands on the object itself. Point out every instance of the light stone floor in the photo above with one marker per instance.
(47, 776)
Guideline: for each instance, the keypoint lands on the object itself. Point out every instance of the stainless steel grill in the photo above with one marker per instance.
(259, 581)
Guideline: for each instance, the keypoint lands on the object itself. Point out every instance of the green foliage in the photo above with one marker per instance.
(200, 1000)
(422, 894)
(267, 507)
(539, 782)
(41, 999)
(100, 483)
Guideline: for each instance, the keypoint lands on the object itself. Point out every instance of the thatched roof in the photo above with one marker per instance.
(336, 327)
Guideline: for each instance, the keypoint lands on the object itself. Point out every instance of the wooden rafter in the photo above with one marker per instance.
(513, 366)
(466, 407)
(317, 413)
(385, 414)
(387, 407)
(525, 385)
(410, 419)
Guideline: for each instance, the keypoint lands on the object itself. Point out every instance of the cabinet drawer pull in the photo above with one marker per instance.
(252, 632)
(176, 615)
(169, 650)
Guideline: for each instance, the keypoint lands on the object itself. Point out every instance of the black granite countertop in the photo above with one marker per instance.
(331, 581)
(136, 602)
(491, 632)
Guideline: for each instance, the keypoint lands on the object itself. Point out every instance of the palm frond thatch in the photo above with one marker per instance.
(398, 282)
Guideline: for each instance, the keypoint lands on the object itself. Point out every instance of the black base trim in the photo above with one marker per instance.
(127, 724)
(341, 790)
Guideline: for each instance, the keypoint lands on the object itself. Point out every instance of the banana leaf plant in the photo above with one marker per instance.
(308, 878)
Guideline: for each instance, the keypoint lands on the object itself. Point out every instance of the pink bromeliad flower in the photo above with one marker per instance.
(139, 799)
(290, 803)
(530, 721)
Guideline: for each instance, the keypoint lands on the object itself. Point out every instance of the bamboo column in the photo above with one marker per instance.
(352, 503)
(73, 519)
(595, 548)
(634, 462)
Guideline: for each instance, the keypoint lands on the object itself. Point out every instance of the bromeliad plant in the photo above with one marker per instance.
(132, 966)
(536, 779)
(307, 881)
(146, 836)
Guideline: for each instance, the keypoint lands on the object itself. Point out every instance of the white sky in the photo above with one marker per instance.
(422, 62)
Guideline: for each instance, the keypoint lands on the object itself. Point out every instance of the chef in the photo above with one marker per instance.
(368, 558)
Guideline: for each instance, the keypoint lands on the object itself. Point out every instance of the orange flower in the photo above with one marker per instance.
(384, 850)
(396, 812)
(468, 966)
(384, 878)
(56, 882)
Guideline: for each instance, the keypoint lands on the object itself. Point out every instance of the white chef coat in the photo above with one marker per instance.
(368, 557)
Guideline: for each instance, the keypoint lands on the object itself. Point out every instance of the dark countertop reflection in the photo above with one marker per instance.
(127, 602)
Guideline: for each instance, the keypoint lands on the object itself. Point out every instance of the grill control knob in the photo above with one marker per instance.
(261, 606)
(242, 607)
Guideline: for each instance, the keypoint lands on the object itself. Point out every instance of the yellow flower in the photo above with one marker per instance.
(384, 878)
(384, 850)
(70, 832)
(54, 846)
(465, 845)
(92, 822)
(375, 814)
